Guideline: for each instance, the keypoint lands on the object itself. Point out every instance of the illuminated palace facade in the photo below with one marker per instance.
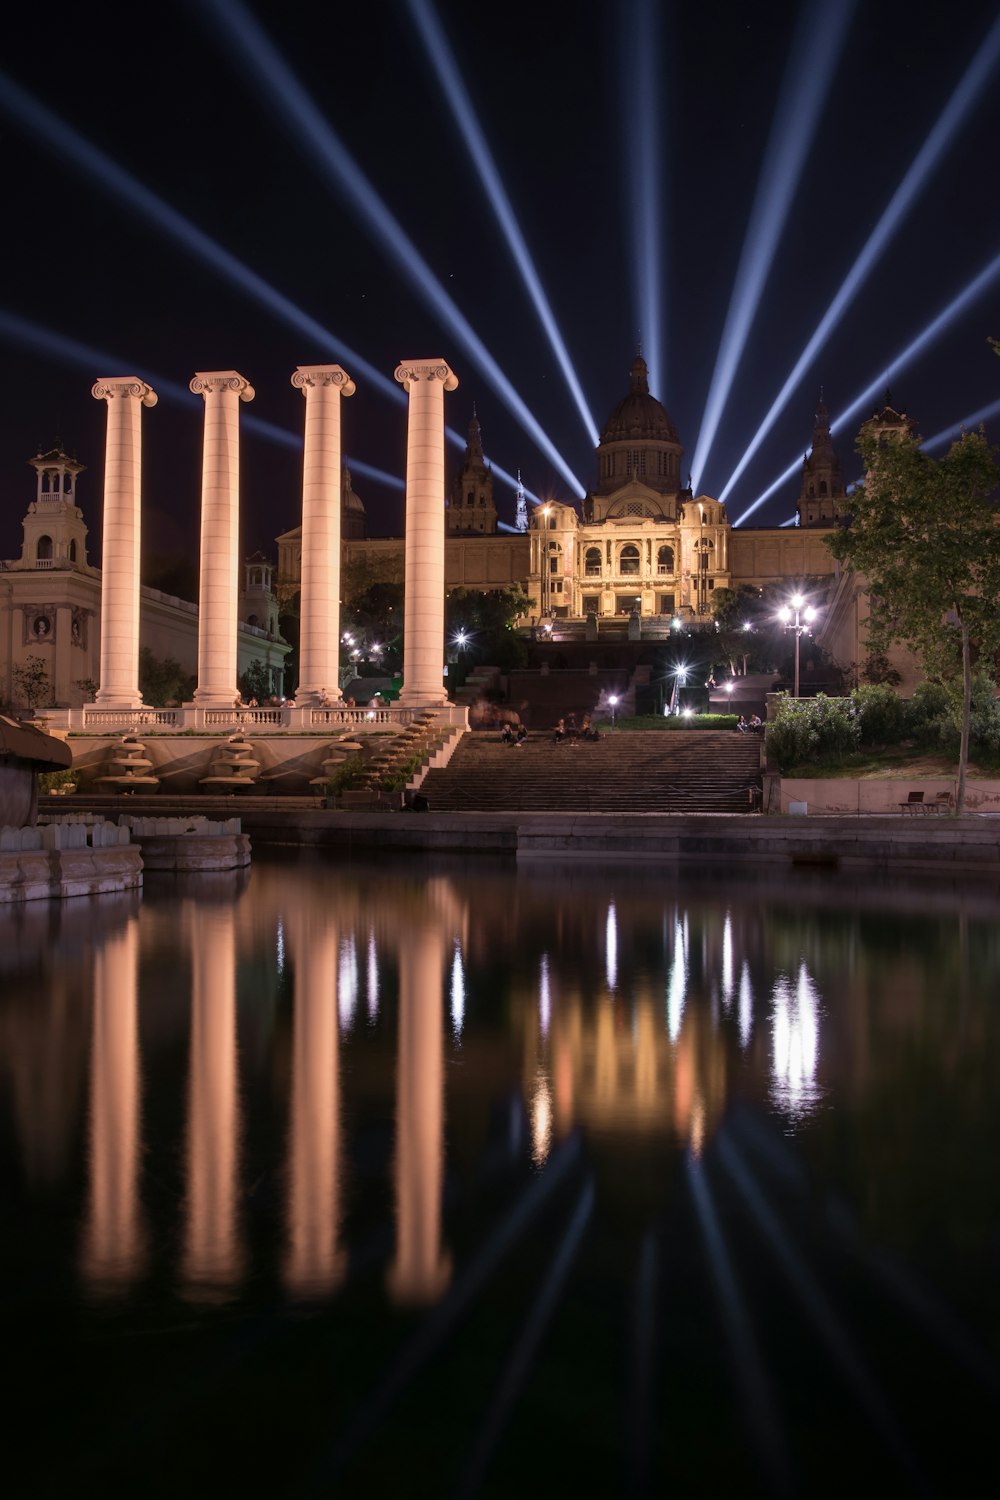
(641, 545)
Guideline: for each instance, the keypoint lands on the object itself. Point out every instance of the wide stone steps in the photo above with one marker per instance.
(657, 771)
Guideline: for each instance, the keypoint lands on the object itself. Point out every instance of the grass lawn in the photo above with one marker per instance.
(896, 762)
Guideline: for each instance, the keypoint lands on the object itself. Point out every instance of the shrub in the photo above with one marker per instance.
(345, 776)
(881, 713)
(928, 715)
(805, 729)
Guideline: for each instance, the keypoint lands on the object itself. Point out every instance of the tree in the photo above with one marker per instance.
(255, 682)
(926, 534)
(32, 684)
(163, 682)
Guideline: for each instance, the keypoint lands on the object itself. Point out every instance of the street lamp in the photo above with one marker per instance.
(798, 616)
(613, 700)
(680, 678)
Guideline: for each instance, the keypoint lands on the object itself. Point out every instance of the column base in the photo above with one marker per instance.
(425, 699)
(319, 698)
(118, 700)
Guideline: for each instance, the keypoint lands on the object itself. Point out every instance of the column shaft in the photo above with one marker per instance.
(119, 669)
(319, 638)
(423, 615)
(218, 594)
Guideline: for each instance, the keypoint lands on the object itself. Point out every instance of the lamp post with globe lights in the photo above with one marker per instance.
(797, 615)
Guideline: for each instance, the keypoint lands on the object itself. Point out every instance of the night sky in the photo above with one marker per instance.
(575, 103)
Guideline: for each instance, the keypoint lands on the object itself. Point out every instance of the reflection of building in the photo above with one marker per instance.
(50, 600)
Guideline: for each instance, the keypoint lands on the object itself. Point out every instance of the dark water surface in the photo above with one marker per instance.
(433, 1179)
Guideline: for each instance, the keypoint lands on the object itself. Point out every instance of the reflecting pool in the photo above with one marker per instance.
(435, 1178)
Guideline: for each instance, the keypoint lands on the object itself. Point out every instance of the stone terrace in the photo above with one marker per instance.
(662, 771)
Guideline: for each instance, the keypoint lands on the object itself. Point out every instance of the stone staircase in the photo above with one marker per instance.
(656, 771)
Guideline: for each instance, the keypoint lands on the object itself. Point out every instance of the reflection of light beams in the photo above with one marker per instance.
(746, 1007)
(544, 996)
(812, 61)
(347, 982)
(967, 424)
(372, 977)
(279, 948)
(315, 136)
(727, 961)
(938, 325)
(71, 352)
(639, 80)
(795, 1043)
(952, 117)
(611, 947)
(677, 983)
(68, 145)
(541, 1120)
(755, 1387)
(471, 135)
(457, 994)
(812, 1298)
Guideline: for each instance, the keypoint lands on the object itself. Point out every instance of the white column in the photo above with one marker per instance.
(119, 670)
(425, 382)
(319, 638)
(421, 1269)
(219, 591)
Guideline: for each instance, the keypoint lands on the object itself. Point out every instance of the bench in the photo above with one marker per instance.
(915, 803)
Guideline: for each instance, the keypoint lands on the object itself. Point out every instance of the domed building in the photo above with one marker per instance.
(645, 546)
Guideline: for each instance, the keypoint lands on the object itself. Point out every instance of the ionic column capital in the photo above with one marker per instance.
(206, 382)
(113, 387)
(309, 376)
(412, 370)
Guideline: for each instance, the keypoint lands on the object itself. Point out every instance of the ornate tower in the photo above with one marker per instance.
(822, 499)
(54, 532)
(471, 506)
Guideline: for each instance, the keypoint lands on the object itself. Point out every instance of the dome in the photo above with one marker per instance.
(640, 415)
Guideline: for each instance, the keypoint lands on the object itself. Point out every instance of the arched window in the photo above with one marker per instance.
(43, 551)
(72, 551)
(665, 560)
(592, 562)
(822, 486)
(252, 620)
(470, 498)
(628, 560)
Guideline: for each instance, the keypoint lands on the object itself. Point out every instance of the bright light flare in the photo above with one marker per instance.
(642, 155)
(611, 948)
(471, 135)
(347, 983)
(952, 117)
(677, 982)
(795, 1044)
(457, 994)
(245, 39)
(813, 59)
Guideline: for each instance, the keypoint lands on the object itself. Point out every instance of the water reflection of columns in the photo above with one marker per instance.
(211, 1252)
(313, 1264)
(113, 1246)
(420, 1271)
